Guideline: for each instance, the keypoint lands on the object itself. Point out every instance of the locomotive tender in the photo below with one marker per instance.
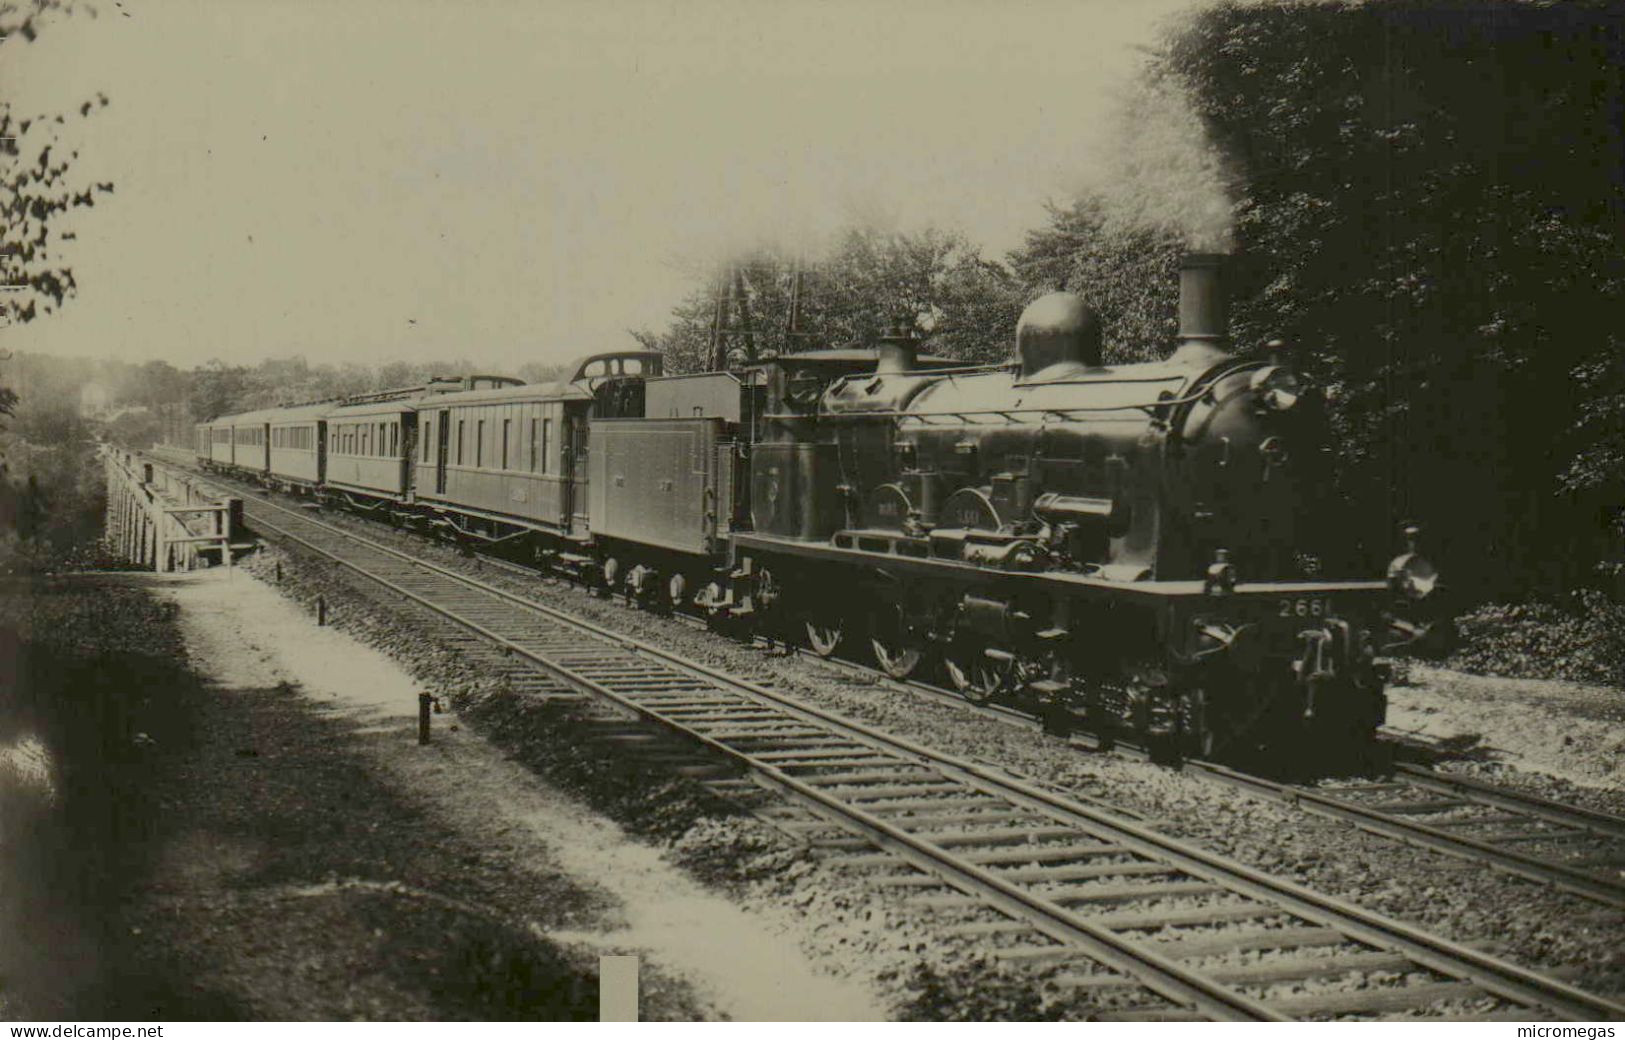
(1134, 549)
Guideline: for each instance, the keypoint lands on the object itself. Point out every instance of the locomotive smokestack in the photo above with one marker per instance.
(1202, 318)
(897, 350)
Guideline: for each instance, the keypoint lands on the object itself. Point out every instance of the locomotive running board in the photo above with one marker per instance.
(1150, 592)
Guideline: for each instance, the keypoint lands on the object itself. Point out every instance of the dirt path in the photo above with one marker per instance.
(1572, 731)
(324, 849)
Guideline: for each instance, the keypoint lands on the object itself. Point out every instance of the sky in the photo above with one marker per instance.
(505, 181)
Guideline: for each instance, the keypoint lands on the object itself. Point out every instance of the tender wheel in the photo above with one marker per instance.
(643, 587)
(978, 677)
(898, 649)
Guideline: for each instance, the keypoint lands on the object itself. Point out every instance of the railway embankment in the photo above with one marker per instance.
(216, 810)
(1522, 921)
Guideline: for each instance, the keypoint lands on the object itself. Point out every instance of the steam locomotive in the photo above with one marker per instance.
(1145, 549)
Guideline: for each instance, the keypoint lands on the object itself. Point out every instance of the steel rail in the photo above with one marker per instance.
(1558, 875)
(1158, 973)
(1576, 816)
(1493, 975)
(1391, 825)
(1511, 861)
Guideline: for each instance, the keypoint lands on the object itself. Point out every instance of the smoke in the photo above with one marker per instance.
(1157, 170)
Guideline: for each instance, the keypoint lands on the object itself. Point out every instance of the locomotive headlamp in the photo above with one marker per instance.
(1221, 575)
(1276, 388)
(1410, 574)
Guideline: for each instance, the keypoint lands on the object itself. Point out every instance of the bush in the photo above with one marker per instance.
(1581, 639)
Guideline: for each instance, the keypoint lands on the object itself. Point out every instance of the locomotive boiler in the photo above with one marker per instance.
(1137, 548)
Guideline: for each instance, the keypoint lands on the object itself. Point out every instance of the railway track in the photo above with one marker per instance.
(1568, 847)
(1571, 848)
(1149, 926)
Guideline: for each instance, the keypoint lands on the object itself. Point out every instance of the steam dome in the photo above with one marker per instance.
(1056, 329)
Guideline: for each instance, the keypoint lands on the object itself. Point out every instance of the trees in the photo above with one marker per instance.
(1433, 204)
(37, 185)
(937, 281)
(1427, 201)
(1129, 273)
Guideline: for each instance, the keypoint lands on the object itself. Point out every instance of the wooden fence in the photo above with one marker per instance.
(163, 519)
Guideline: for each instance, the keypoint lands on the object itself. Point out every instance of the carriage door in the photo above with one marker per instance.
(442, 436)
(575, 456)
(319, 431)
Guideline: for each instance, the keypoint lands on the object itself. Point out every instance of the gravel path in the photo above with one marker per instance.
(580, 885)
(1523, 731)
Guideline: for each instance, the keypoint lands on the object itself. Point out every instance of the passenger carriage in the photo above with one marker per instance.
(298, 446)
(368, 446)
(213, 444)
(499, 465)
(250, 441)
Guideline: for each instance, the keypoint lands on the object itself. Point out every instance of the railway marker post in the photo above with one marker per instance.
(425, 704)
(617, 989)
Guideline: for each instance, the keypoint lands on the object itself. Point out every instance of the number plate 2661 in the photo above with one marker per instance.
(1304, 607)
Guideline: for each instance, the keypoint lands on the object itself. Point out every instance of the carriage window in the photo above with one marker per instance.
(394, 439)
(383, 439)
(507, 424)
(479, 443)
(460, 425)
(535, 447)
(428, 435)
(547, 435)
